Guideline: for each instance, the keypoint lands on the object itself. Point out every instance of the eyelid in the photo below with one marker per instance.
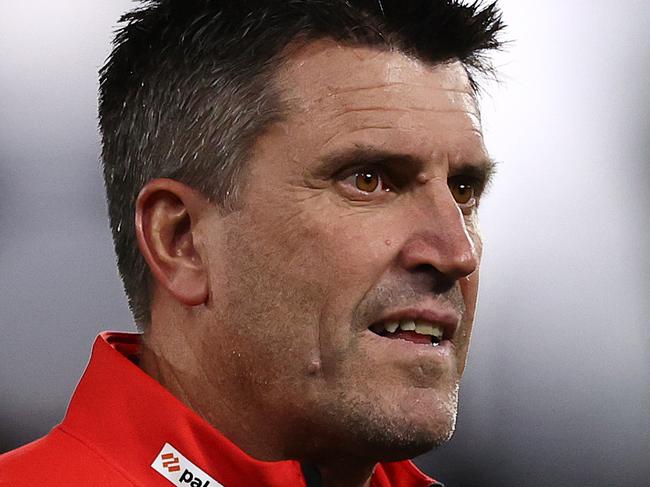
(349, 190)
(384, 184)
(357, 168)
(380, 169)
(395, 176)
(480, 175)
(477, 183)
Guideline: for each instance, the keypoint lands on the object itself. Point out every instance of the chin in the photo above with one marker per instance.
(403, 440)
(393, 448)
(389, 432)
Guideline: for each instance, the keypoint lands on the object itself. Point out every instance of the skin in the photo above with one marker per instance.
(260, 317)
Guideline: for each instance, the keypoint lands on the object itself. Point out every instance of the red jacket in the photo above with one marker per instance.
(122, 428)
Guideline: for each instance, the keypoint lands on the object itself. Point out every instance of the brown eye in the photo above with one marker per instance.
(366, 181)
(462, 190)
(365, 184)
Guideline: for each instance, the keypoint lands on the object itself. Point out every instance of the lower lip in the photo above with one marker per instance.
(405, 349)
(409, 336)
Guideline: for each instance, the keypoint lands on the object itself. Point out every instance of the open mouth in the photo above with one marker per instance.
(416, 331)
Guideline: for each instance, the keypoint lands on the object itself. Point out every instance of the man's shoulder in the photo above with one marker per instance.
(58, 459)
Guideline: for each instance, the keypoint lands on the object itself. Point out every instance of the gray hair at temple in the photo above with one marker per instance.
(189, 86)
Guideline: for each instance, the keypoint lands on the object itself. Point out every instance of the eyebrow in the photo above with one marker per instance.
(483, 170)
(362, 155)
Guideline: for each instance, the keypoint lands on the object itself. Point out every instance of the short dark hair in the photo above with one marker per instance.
(188, 88)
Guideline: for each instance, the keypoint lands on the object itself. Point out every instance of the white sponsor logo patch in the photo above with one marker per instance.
(180, 471)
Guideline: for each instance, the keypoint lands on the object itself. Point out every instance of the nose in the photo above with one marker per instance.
(440, 239)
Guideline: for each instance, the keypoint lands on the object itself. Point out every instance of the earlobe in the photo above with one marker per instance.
(166, 216)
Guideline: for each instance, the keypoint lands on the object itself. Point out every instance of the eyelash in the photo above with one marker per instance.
(475, 186)
(387, 181)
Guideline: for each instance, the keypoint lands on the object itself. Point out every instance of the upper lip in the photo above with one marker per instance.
(446, 318)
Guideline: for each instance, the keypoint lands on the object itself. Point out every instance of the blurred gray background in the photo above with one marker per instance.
(557, 391)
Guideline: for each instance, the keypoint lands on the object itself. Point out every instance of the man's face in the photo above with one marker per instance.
(357, 215)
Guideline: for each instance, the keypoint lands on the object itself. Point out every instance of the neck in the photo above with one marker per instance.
(345, 474)
(174, 360)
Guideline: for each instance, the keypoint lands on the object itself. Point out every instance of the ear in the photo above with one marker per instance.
(166, 215)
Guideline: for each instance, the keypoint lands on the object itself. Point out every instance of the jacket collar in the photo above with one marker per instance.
(129, 419)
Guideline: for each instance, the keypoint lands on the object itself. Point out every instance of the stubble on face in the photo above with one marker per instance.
(305, 269)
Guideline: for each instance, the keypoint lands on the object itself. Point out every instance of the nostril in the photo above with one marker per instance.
(443, 286)
(432, 279)
(424, 269)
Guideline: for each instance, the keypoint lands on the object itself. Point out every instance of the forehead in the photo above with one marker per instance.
(343, 67)
(364, 95)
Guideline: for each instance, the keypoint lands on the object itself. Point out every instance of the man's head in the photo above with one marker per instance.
(308, 174)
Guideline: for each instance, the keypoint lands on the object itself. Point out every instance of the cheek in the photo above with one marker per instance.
(324, 261)
(294, 267)
(294, 283)
(354, 252)
(469, 285)
(326, 242)
(269, 296)
(469, 290)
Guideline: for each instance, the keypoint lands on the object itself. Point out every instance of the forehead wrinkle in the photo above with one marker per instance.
(333, 92)
(391, 92)
(345, 130)
(343, 67)
(428, 85)
(387, 85)
(344, 91)
(475, 131)
(336, 89)
(456, 153)
(348, 133)
(397, 98)
(354, 131)
(420, 108)
(381, 121)
(394, 68)
(403, 109)
(420, 100)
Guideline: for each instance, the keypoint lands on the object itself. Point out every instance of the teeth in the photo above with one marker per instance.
(423, 328)
(407, 325)
(391, 327)
(420, 327)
